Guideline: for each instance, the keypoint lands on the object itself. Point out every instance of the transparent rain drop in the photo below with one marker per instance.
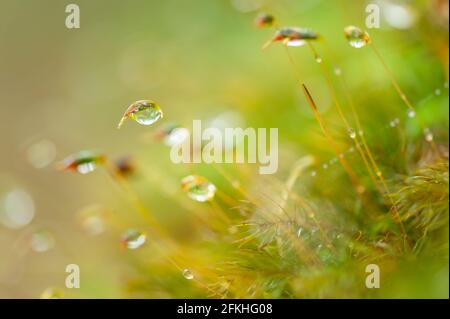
(411, 113)
(145, 112)
(17, 209)
(198, 188)
(318, 59)
(428, 135)
(299, 232)
(42, 241)
(188, 274)
(313, 173)
(351, 132)
(356, 37)
(83, 162)
(133, 239)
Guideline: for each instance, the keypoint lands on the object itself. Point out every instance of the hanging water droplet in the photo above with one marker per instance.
(198, 188)
(411, 113)
(264, 20)
(356, 37)
(51, 293)
(133, 239)
(318, 59)
(437, 92)
(188, 274)
(42, 241)
(313, 173)
(379, 173)
(293, 36)
(145, 112)
(325, 166)
(392, 123)
(83, 162)
(428, 135)
(299, 232)
(351, 133)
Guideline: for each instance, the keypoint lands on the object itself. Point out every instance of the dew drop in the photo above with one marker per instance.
(293, 36)
(351, 133)
(299, 232)
(313, 173)
(337, 71)
(318, 59)
(188, 274)
(325, 166)
(51, 293)
(133, 239)
(41, 153)
(198, 188)
(83, 162)
(42, 241)
(356, 37)
(411, 114)
(379, 173)
(145, 112)
(17, 209)
(437, 92)
(91, 220)
(428, 135)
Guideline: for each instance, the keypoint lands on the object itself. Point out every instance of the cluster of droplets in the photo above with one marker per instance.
(394, 123)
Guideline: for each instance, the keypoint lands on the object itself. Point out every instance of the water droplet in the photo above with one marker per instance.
(437, 92)
(379, 173)
(145, 112)
(51, 293)
(299, 232)
(398, 16)
(176, 136)
(313, 173)
(42, 241)
(133, 239)
(360, 132)
(198, 188)
(293, 36)
(356, 37)
(392, 123)
(341, 155)
(188, 274)
(351, 149)
(41, 153)
(411, 113)
(318, 59)
(83, 162)
(325, 166)
(91, 220)
(264, 20)
(351, 133)
(446, 85)
(17, 209)
(337, 71)
(428, 135)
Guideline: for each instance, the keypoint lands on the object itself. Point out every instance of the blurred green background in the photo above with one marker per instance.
(67, 88)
